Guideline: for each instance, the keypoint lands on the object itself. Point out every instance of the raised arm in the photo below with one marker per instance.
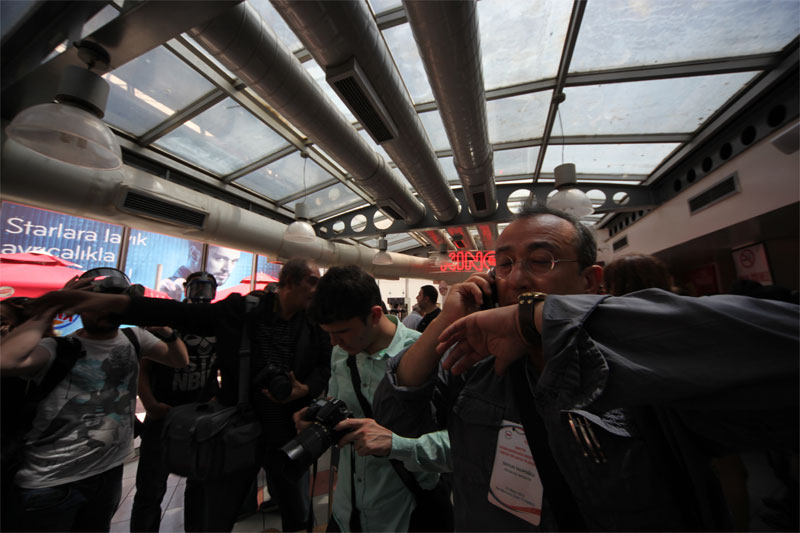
(421, 360)
(169, 351)
(20, 353)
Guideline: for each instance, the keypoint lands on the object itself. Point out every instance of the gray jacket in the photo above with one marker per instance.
(664, 382)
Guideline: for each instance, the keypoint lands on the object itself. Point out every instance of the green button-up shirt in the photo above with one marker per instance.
(383, 500)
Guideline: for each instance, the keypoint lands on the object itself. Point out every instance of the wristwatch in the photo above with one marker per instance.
(527, 304)
(168, 338)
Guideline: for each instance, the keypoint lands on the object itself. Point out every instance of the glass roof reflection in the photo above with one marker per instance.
(329, 200)
(678, 105)
(222, 139)
(520, 40)
(150, 89)
(285, 177)
(647, 32)
(518, 117)
(404, 50)
(612, 159)
(516, 161)
(432, 122)
(276, 22)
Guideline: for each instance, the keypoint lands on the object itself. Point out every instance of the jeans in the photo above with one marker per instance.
(151, 485)
(83, 505)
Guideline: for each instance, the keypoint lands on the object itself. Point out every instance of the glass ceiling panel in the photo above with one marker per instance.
(521, 40)
(404, 49)
(328, 200)
(381, 6)
(432, 122)
(449, 168)
(518, 117)
(284, 177)
(611, 159)
(222, 139)
(276, 22)
(625, 33)
(516, 161)
(149, 89)
(318, 74)
(678, 105)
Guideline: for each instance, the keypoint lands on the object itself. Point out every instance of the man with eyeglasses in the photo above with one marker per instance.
(281, 338)
(606, 419)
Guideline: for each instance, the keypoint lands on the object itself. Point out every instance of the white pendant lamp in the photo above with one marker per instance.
(443, 257)
(382, 257)
(568, 198)
(70, 130)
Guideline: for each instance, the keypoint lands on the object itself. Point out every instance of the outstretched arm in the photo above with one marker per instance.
(421, 360)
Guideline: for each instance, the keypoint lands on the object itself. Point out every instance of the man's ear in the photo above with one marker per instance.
(376, 313)
(593, 279)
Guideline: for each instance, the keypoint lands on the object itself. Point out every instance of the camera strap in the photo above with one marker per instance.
(406, 477)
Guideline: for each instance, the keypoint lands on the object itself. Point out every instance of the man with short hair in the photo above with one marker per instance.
(281, 336)
(426, 300)
(71, 475)
(347, 306)
(589, 412)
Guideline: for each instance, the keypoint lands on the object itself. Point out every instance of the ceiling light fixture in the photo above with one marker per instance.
(301, 229)
(568, 198)
(382, 257)
(71, 130)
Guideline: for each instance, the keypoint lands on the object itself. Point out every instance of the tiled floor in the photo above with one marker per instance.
(172, 504)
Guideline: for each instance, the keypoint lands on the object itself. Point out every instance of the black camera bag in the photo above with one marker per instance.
(208, 440)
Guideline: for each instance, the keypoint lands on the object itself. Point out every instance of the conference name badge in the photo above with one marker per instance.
(515, 486)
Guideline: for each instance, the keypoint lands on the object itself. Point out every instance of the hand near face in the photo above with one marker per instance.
(467, 297)
(174, 288)
(475, 337)
(367, 436)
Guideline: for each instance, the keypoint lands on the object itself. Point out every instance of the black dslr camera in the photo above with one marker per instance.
(275, 378)
(311, 443)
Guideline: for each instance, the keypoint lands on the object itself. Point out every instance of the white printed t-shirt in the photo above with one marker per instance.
(85, 425)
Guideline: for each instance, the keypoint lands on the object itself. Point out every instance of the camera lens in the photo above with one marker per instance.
(301, 452)
(280, 387)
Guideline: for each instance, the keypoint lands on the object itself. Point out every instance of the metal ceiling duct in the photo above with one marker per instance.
(448, 41)
(334, 33)
(248, 47)
(34, 179)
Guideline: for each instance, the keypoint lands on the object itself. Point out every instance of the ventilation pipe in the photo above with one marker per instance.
(336, 33)
(33, 179)
(447, 37)
(248, 47)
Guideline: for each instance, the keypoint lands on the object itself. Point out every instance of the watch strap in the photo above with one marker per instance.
(527, 305)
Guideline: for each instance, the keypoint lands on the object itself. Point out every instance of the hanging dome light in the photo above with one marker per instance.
(382, 257)
(300, 230)
(568, 198)
(70, 130)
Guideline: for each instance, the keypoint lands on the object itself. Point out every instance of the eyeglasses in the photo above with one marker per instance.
(539, 262)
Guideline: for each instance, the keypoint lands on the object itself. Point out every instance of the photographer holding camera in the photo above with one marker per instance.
(373, 494)
(280, 334)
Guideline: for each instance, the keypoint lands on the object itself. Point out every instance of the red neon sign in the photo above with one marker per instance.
(469, 261)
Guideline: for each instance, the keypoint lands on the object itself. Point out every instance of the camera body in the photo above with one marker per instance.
(275, 378)
(301, 452)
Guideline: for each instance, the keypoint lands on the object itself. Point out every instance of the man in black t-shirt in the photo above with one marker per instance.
(426, 299)
(160, 388)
